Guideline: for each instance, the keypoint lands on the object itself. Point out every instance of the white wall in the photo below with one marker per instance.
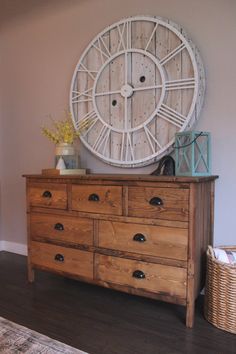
(39, 50)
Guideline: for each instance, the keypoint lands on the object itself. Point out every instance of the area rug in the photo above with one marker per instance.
(18, 339)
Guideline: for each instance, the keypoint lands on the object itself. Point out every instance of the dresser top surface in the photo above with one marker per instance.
(125, 177)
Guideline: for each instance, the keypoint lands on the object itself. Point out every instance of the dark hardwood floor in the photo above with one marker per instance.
(103, 321)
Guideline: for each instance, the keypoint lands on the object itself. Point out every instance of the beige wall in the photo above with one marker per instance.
(40, 43)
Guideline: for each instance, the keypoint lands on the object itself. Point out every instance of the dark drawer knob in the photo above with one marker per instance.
(47, 194)
(59, 227)
(59, 257)
(139, 238)
(93, 197)
(138, 274)
(156, 201)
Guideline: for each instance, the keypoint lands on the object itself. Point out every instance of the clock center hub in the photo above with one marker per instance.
(126, 91)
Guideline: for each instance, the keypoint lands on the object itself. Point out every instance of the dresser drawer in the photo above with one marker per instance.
(62, 228)
(161, 203)
(97, 199)
(157, 278)
(62, 259)
(48, 195)
(144, 239)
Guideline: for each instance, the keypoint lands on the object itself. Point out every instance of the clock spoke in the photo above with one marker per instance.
(180, 84)
(126, 68)
(147, 88)
(107, 93)
(172, 54)
(126, 112)
(171, 115)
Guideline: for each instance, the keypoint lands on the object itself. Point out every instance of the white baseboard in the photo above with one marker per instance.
(13, 247)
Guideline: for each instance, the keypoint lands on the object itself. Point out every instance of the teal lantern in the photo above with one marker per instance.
(193, 153)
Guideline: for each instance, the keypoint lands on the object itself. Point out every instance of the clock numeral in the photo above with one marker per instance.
(78, 96)
(128, 34)
(87, 122)
(102, 138)
(127, 149)
(102, 49)
(124, 34)
(152, 140)
(172, 54)
(180, 84)
(171, 116)
(84, 69)
(150, 38)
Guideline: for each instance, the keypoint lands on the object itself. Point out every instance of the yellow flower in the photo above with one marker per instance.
(64, 131)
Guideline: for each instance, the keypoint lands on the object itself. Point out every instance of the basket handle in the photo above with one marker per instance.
(210, 251)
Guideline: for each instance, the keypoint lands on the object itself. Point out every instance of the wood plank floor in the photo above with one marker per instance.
(103, 321)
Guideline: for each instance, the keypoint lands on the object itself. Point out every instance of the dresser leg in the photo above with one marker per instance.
(190, 314)
(30, 274)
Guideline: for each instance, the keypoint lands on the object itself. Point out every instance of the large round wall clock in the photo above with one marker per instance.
(138, 82)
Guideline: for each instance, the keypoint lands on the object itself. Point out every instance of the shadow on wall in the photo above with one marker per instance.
(11, 10)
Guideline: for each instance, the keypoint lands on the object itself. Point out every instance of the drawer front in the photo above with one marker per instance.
(144, 239)
(97, 199)
(48, 195)
(156, 278)
(62, 259)
(161, 203)
(62, 228)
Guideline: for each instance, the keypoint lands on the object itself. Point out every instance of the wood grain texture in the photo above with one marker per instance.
(175, 203)
(57, 200)
(102, 178)
(75, 261)
(158, 241)
(110, 199)
(62, 228)
(97, 240)
(158, 278)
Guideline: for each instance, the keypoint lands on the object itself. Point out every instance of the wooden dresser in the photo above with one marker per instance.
(142, 234)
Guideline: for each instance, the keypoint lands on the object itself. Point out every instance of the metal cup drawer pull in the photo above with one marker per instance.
(156, 201)
(59, 227)
(47, 194)
(59, 257)
(139, 238)
(93, 197)
(138, 274)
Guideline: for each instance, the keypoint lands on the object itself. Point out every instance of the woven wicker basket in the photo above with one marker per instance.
(220, 292)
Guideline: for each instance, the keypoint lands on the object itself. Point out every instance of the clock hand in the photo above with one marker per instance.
(107, 93)
(126, 98)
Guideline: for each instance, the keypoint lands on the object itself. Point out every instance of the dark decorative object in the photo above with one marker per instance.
(166, 167)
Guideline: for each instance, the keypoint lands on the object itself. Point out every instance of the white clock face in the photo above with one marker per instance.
(138, 82)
